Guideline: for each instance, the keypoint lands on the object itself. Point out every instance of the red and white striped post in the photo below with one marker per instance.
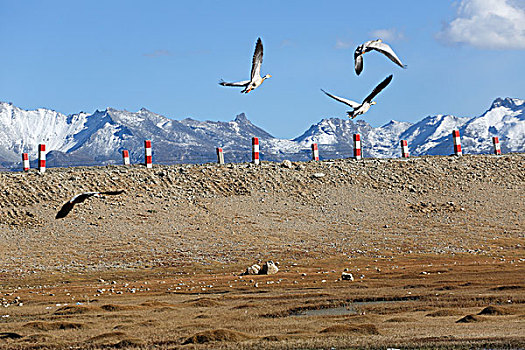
(41, 157)
(497, 148)
(357, 146)
(148, 157)
(220, 155)
(125, 157)
(315, 151)
(404, 149)
(25, 161)
(255, 150)
(457, 143)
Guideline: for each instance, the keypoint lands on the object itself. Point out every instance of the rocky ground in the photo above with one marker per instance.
(213, 221)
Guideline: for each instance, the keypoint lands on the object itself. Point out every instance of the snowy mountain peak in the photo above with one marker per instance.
(241, 118)
(396, 126)
(508, 102)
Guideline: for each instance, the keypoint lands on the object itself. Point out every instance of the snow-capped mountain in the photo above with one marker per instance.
(505, 119)
(334, 137)
(430, 136)
(99, 138)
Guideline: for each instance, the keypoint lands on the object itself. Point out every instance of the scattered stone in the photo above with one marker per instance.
(318, 175)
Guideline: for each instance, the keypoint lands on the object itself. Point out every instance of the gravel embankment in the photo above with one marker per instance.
(208, 213)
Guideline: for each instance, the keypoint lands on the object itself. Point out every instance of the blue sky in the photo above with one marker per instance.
(168, 56)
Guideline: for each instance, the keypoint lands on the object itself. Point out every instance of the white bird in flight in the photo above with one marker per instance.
(79, 198)
(360, 108)
(379, 46)
(256, 78)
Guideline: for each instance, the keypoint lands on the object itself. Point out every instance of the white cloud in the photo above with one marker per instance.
(341, 44)
(487, 24)
(287, 43)
(391, 34)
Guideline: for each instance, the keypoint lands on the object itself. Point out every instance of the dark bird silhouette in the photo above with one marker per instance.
(79, 198)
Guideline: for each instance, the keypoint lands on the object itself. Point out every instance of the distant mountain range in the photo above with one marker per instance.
(99, 138)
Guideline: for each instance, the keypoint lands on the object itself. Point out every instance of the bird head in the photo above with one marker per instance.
(267, 76)
(373, 103)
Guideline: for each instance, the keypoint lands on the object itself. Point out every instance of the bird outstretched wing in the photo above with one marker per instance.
(66, 208)
(112, 193)
(79, 198)
(358, 63)
(378, 88)
(237, 83)
(257, 59)
(386, 50)
(347, 102)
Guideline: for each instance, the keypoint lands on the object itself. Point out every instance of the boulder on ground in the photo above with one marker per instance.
(346, 276)
(269, 268)
(253, 270)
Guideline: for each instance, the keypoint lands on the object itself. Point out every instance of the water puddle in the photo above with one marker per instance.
(334, 311)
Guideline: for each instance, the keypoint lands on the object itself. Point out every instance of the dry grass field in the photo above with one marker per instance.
(435, 246)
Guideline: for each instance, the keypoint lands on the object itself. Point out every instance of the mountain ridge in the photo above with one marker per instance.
(99, 138)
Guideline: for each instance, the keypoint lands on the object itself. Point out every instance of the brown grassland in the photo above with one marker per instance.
(435, 246)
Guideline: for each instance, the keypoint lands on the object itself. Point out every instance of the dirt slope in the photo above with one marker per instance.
(201, 213)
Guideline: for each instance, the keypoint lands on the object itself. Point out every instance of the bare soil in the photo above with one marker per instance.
(429, 241)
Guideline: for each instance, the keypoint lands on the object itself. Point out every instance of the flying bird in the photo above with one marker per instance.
(256, 78)
(79, 198)
(360, 108)
(379, 46)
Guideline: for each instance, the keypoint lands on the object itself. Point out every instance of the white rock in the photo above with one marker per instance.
(286, 164)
